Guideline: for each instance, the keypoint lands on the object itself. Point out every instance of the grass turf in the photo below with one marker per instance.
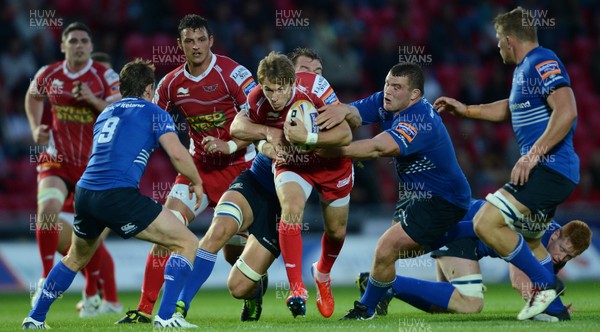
(217, 310)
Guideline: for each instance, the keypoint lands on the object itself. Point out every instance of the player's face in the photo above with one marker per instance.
(505, 49)
(77, 47)
(277, 94)
(560, 248)
(196, 46)
(306, 64)
(396, 93)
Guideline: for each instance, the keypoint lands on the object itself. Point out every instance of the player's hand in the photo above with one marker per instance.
(331, 115)
(521, 170)
(214, 145)
(275, 136)
(268, 149)
(450, 105)
(82, 91)
(295, 133)
(198, 190)
(41, 134)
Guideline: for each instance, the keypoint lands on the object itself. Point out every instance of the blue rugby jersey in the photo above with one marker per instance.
(534, 78)
(427, 162)
(125, 135)
(372, 112)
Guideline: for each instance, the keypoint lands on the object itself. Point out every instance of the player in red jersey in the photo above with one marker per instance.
(296, 173)
(78, 90)
(208, 90)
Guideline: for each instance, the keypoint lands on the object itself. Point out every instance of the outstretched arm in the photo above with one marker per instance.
(497, 111)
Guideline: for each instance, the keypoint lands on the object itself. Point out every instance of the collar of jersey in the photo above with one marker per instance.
(201, 76)
(77, 74)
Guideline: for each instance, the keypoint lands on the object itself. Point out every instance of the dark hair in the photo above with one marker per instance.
(414, 73)
(193, 21)
(135, 77)
(515, 23)
(101, 57)
(276, 68)
(75, 26)
(303, 51)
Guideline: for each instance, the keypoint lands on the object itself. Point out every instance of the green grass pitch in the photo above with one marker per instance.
(216, 310)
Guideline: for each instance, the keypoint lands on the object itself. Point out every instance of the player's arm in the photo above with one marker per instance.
(497, 111)
(520, 282)
(382, 145)
(340, 135)
(333, 114)
(34, 108)
(182, 161)
(245, 129)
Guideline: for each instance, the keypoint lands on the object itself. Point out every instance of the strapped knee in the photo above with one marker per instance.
(247, 270)
(50, 193)
(469, 285)
(232, 210)
(508, 210)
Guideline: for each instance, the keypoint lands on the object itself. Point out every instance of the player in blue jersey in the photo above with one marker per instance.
(542, 109)
(435, 192)
(107, 195)
(458, 263)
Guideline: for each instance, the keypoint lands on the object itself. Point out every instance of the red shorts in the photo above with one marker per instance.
(215, 179)
(331, 182)
(49, 166)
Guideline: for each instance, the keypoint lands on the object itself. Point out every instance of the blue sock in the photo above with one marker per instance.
(177, 271)
(58, 281)
(459, 231)
(556, 306)
(423, 294)
(203, 266)
(373, 294)
(523, 258)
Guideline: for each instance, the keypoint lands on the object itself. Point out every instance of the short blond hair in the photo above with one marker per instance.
(276, 68)
(516, 23)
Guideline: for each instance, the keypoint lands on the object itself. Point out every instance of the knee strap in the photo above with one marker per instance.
(247, 270)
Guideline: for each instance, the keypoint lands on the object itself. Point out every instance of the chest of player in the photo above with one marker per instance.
(65, 105)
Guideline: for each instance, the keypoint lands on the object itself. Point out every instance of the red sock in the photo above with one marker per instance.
(330, 250)
(92, 271)
(47, 239)
(154, 277)
(107, 278)
(290, 242)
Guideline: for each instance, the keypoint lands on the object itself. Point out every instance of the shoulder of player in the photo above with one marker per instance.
(108, 74)
(50, 69)
(232, 71)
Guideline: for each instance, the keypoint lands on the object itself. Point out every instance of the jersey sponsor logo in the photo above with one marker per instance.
(240, 74)
(75, 114)
(548, 68)
(320, 86)
(331, 99)
(111, 76)
(237, 185)
(407, 130)
(128, 228)
(210, 88)
(519, 106)
(183, 92)
(206, 122)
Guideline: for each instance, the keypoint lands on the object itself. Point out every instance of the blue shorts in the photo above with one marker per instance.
(124, 210)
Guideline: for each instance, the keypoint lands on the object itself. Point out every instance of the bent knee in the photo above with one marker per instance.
(239, 289)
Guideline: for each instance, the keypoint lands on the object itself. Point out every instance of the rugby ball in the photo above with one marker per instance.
(307, 113)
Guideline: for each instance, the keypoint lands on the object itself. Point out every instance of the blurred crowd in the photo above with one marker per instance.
(358, 40)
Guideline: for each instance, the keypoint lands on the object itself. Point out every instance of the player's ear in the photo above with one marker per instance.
(415, 94)
(210, 41)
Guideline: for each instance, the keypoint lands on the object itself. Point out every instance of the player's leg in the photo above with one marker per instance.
(492, 223)
(335, 214)
(59, 279)
(107, 282)
(166, 230)
(52, 192)
(181, 206)
(293, 191)
(232, 213)
(247, 278)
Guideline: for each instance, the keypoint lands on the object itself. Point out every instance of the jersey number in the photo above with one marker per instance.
(108, 130)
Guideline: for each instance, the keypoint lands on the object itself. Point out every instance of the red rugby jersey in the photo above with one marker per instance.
(73, 120)
(209, 103)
